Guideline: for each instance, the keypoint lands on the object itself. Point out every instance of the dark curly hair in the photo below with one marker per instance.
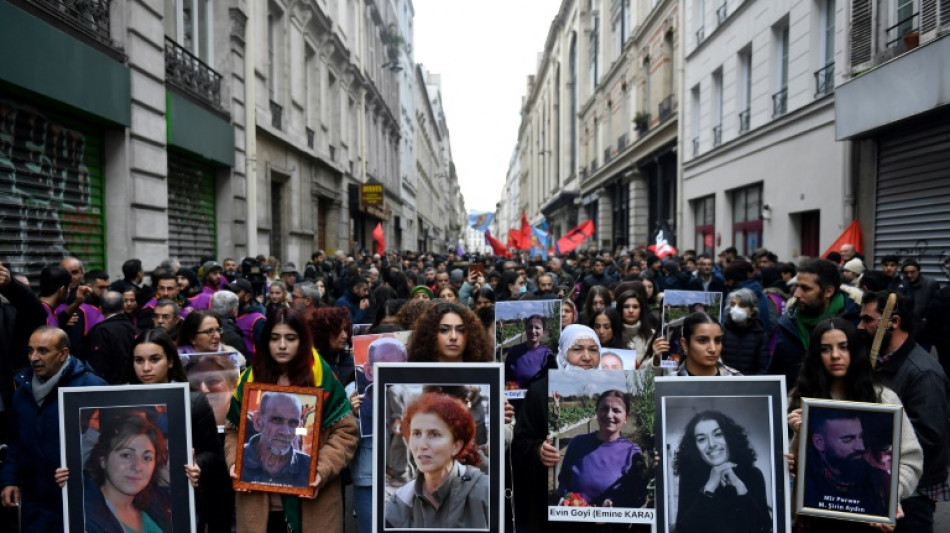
(814, 381)
(410, 313)
(300, 369)
(688, 462)
(328, 322)
(116, 428)
(424, 345)
(455, 415)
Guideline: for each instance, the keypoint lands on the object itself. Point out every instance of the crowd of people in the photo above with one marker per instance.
(810, 322)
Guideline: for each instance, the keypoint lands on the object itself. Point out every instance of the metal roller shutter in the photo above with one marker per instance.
(51, 190)
(191, 215)
(913, 194)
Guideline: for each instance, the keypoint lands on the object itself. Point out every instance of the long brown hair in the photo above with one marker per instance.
(300, 368)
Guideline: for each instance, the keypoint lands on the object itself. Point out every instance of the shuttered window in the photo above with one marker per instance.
(928, 15)
(51, 190)
(191, 213)
(912, 215)
(862, 28)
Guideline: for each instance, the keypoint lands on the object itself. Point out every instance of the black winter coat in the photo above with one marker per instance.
(109, 346)
(745, 347)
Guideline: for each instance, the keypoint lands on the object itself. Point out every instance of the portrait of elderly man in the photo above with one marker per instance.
(382, 350)
(271, 456)
(839, 476)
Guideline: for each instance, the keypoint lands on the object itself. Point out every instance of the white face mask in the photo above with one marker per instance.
(738, 314)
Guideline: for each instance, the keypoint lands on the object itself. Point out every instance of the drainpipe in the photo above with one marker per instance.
(250, 132)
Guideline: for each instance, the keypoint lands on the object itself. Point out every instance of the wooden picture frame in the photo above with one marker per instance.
(298, 475)
(871, 433)
(162, 413)
(748, 415)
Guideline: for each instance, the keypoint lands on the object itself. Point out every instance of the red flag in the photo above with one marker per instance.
(514, 238)
(575, 237)
(380, 240)
(497, 247)
(525, 242)
(850, 235)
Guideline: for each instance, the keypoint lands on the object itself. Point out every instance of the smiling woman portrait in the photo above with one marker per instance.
(449, 492)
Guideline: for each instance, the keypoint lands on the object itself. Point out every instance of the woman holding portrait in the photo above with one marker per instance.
(449, 492)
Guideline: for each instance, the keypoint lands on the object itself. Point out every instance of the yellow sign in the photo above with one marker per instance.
(371, 194)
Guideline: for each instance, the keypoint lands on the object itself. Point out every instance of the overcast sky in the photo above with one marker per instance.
(484, 51)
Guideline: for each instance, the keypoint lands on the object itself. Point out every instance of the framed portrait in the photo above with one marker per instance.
(526, 334)
(440, 426)
(846, 464)
(214, 374)
(367, 351)
(283, 423)
(618, 359)
(721, 446)
(601, 422)
(125, 440)
(677, 305)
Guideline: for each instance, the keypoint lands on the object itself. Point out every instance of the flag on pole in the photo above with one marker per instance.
(514, 239)
(480, 221)
(540, 242)
(851, 235)
(663, 242)
(525, 233)
(497, 247)
(459, 251)
(575, 237)
(379, 238)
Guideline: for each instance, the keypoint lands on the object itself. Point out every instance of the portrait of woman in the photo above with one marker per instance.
(449, 491)
(123, 487)
(720, 488)
(526, 360)
(603, 467)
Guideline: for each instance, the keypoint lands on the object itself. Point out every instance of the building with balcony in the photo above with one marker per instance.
(760, 165)
(598, 133)
(893, 107)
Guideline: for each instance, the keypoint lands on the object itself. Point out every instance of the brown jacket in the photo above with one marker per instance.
(337, 446)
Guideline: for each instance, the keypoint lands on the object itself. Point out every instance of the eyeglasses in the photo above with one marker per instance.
(211, 331)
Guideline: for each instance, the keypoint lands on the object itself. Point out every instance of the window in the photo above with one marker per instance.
(190, 23)
(273, 50)
(717, 107)
(745, 88)
(704, 213)
(572, 87)
(780, 97)
(699, 15)
(905, 12)
(310, 92)
(697, 122)
(825, 75)
(594, 52)
(747, 219)
(621, 24)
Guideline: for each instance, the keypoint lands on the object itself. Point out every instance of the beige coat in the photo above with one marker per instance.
(325, 512)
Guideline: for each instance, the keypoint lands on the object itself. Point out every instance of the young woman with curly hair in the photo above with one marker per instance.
(449, 491)
(449, 333)
(285, 356)
(330, 328)
(720, 488)
(410, 313)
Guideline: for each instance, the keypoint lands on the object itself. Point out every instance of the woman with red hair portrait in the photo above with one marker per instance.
(449, 492)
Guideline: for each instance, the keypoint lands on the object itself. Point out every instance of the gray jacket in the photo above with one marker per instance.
(462, 502)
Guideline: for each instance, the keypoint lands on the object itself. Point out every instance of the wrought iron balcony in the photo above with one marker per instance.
(88, 16)
(695, 146)
(593, 166)
(276, 114)
(904, 27)
(310, 134)
(606, 155)
(780, 102)
(721, 14)
(583, 173)
(621, 142)
(744, 120)
(700, 35)
(717, 135)
(665, 110)
(825, 80)
(187, 72)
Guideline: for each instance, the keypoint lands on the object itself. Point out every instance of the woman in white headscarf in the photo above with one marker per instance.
(531, 452)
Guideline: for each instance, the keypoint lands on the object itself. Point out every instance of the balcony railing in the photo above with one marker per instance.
(717, 135)
(700, 35)
(606, 155)
(593, 166)
(583, 173)
(187, 72)
(721, 14)
(665, 110)
(276, 114)
(744, 120)
(780, 102)
(310, 135)
(621, 142)
(695, 146)
(905, 26)
(825, 80)
(88, 16)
